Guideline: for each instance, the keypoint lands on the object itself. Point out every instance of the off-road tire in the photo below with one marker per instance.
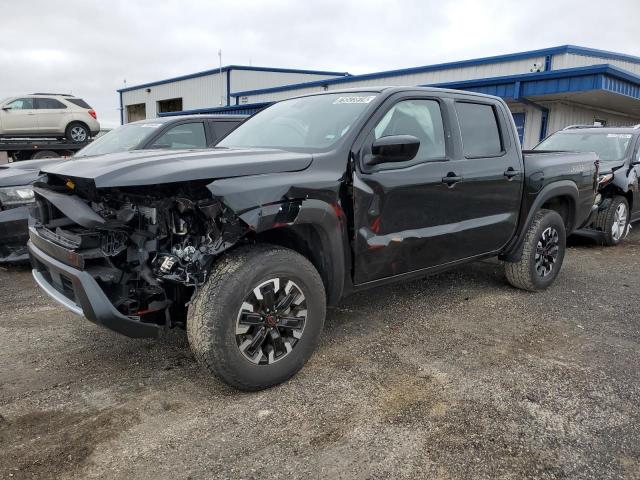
(68, 132)
(212, 317)
(523, 274)
(605, 218)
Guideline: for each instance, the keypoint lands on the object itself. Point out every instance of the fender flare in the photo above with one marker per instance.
(562, 188)
(327, 220)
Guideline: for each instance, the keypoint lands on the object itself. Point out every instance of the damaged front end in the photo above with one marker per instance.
(148, 249)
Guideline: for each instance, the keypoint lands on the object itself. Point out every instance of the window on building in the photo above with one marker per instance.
(518, 119)
(480, 131)
(136, 112)
(49, 104)
(420, 118)
(170, 105)
(187, 135)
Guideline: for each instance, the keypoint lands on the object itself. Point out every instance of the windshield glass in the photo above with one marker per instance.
(121, 139)
(608, 146)
(308, 123)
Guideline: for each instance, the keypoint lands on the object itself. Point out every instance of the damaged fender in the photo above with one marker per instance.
(269, 202)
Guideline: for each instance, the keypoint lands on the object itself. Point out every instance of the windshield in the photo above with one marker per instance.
(309, 123)
(121, 139)
(608, 146)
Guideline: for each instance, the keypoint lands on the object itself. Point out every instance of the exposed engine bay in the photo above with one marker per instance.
(149, 248)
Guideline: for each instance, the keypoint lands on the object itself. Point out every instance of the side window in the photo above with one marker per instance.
(222, 128)
(187, 135)
(21, 104)
(49, 104)
(479, 128)
(420, 118)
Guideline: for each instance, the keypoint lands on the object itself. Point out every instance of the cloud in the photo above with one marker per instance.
(90, 47)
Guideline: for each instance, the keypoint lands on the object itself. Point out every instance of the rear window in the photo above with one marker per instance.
(479, 127)
(79, 102)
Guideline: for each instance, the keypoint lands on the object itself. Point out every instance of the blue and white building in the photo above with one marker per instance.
(546, 89)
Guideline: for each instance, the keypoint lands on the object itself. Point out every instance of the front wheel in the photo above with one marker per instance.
(542, 252)
(614, 221)
(258, 318)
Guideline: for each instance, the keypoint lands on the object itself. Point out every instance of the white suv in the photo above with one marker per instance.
(48, 115)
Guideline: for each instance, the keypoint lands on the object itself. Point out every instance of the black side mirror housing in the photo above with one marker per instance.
(6, 107)
(393, 148)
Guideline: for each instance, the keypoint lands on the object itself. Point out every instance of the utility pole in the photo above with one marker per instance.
(221, 82)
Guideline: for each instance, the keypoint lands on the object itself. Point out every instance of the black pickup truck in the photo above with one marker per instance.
(309, 200)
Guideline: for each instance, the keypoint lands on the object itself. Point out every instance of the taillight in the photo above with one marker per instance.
(93, 114)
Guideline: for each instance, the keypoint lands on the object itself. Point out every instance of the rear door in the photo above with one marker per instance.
(50, 114)
(492, 173)
(19, 117)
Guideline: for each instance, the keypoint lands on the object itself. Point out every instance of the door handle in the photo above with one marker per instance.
(451, 179)
(510, 173)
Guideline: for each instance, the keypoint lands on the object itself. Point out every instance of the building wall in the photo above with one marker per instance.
(532, 123)
(565, 113)
(196, 92)
(572, 60)
(251, 80)
(404, 79)
(208, 91)
(562, 114)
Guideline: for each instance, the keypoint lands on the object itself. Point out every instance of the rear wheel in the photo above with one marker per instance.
(258, 318)
(614, 221)
(543, 251)
(44, 154)
(77, 132)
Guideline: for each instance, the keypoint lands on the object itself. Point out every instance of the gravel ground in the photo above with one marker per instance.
(456, 376)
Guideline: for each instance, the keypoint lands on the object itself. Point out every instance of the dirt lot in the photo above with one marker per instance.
(452, 377)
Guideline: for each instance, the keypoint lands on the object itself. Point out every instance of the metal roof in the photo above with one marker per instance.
(213, 71)
(448, 65)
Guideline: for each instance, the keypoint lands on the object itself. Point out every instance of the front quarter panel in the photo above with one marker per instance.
(266, 203)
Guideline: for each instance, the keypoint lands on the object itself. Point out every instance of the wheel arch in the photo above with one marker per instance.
(313, 228)
(80, 122)
(562, 197)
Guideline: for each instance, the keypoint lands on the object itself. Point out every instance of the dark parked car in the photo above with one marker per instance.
(307, 201)
(619, 152)
(193, 131)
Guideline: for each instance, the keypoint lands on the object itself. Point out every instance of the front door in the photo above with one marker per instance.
(19, 117)
(404, 212)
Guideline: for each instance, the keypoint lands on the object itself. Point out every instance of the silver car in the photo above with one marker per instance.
(48, 115)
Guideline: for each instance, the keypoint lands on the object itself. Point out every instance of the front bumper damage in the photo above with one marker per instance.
(78, 291)
(14, 235)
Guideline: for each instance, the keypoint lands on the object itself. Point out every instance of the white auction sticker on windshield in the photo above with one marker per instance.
(366, 99)
(619, 135)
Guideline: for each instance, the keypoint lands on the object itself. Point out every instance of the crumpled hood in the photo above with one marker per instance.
(609, 166)
(151, 167)
(24, 172)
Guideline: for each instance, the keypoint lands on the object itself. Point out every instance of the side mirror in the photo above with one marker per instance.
(7, 107)
(394, 148)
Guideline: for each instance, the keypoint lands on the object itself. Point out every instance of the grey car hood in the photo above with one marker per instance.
(25, 172)
(151, 167)
(610, 165)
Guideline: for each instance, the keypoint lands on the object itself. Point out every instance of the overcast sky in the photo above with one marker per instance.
(90, 47)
